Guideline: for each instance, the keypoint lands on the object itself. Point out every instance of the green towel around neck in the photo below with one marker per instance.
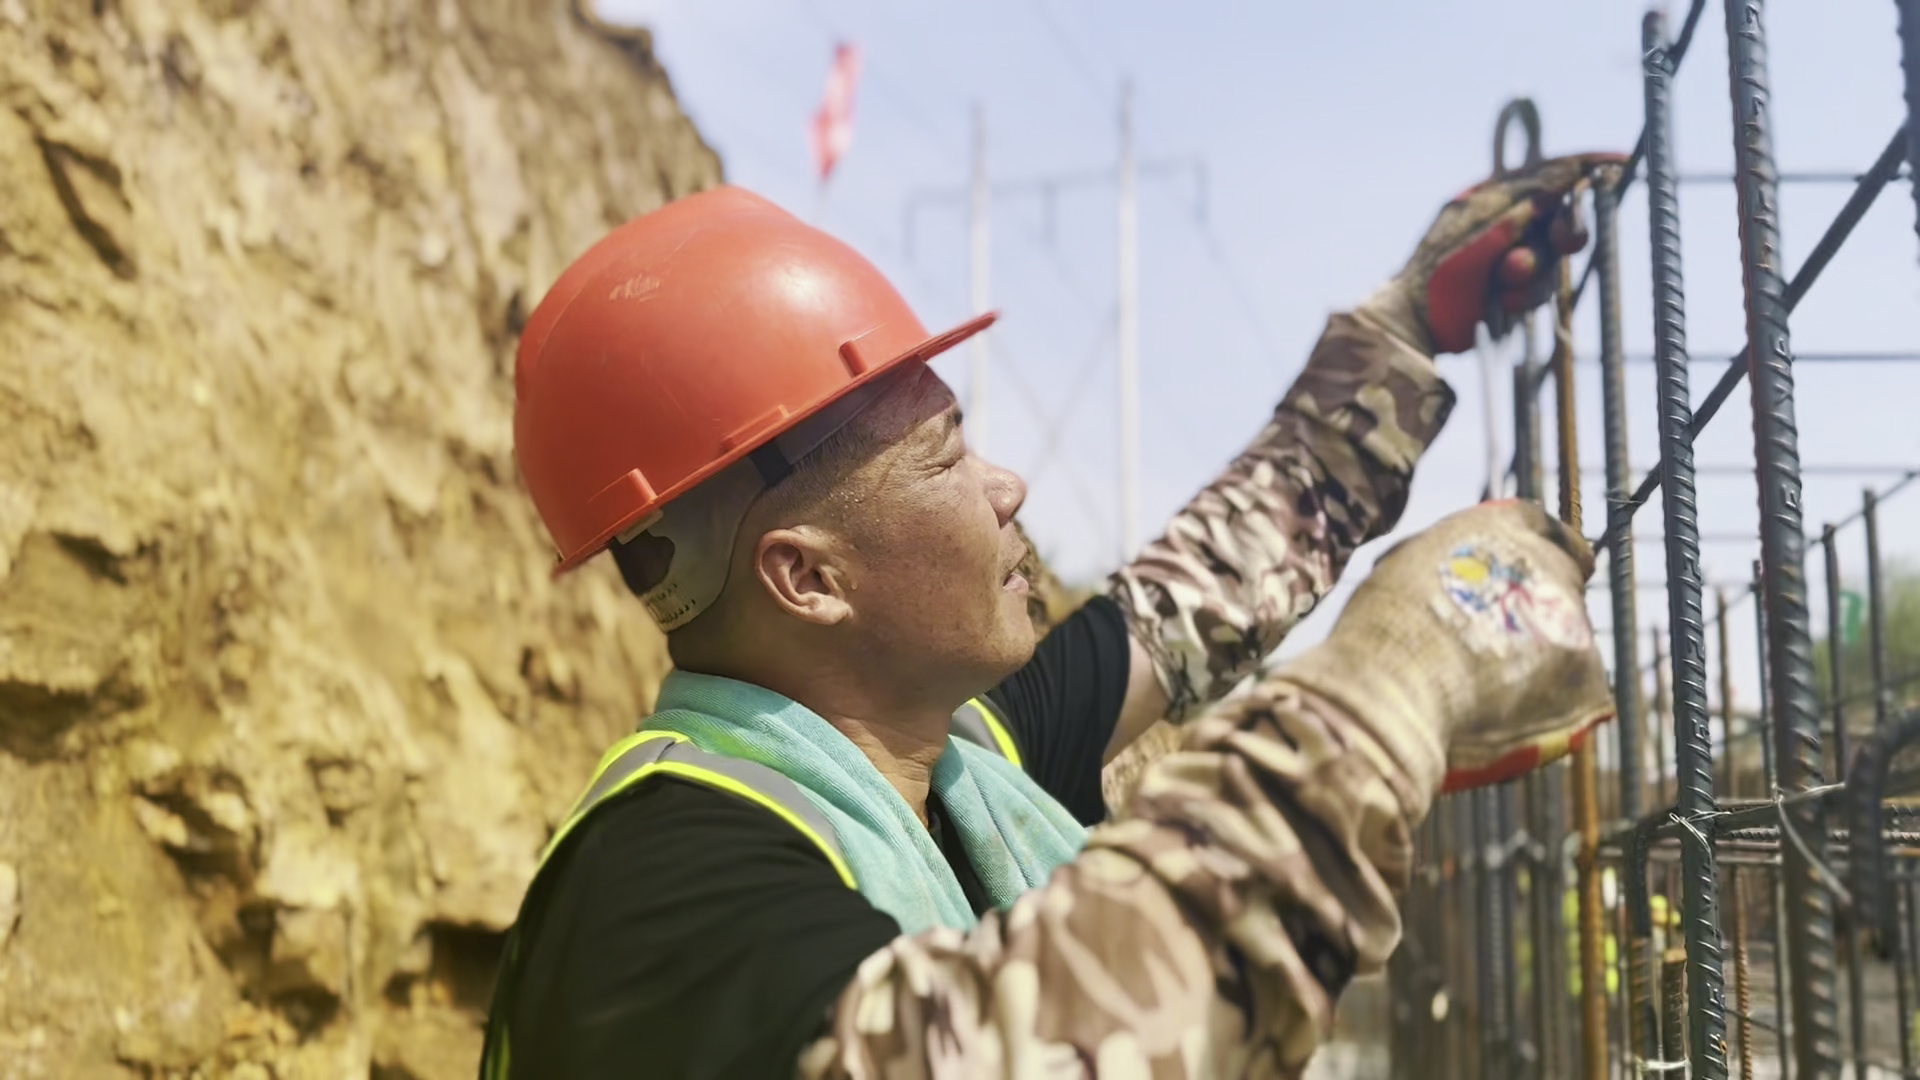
(1014, 833)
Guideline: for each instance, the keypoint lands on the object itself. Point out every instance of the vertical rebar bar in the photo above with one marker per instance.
(1849, 950)
(1660, 716)
(1910, 60)
(1768, 775)
(1586, 779)
(1836, 630)
(1545, 788)
(1466, 969)
(1613, 389)
(1882, 712)
(1692, 737)
(1742, 988)
(1876, 611)
(1673, 1004)
(1486, 929)
(1902, 994)
(1507, 823)
(1643, 1019)
(1725, 635)
(1782, 977)
(1782, 542)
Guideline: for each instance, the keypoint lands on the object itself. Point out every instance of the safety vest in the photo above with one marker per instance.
(668, 753)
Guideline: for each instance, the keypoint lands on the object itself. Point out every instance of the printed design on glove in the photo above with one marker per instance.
(1497, 603)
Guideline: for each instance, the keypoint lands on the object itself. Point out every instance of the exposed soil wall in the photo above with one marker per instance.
(288, 702)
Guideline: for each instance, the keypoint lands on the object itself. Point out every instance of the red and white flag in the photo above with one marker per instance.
(833, 124)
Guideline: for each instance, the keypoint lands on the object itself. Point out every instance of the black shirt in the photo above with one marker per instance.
(683, 932)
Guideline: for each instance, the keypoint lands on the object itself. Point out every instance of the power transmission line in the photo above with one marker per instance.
(1074, 57)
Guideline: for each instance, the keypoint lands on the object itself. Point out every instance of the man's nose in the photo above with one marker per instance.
(1006, 491)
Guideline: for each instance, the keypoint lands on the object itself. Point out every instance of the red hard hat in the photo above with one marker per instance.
(682, 342)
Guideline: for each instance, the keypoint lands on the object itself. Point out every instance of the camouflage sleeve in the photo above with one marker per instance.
(1252, 554)
(1207, 935)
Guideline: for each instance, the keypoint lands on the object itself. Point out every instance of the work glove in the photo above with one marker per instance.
(1467, 653)
(1490, 256)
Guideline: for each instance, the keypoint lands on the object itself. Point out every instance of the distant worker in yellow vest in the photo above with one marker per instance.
(861, 835)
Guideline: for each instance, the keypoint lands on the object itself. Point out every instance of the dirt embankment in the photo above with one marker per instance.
(287, 700)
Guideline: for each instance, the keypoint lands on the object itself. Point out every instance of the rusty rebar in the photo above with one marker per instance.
(1673, 1001)
(1742, 989)
(1586, 777)
(1770, 779)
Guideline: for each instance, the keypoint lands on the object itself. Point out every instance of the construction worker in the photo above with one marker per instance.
(853, 838)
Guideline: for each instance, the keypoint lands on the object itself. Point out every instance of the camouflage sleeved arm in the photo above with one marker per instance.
(1209, 934)
(1252, 554)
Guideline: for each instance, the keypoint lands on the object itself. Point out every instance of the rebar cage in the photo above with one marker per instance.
(1541, 940)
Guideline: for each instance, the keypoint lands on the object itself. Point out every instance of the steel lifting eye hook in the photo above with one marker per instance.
(1522, 109)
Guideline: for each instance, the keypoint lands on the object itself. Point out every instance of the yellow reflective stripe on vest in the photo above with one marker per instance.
(728, 783)
(1002, 738)
(588, 799)
(597, 793)
(620, 769)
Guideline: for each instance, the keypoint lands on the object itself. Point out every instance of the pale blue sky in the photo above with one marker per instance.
(1331, 134)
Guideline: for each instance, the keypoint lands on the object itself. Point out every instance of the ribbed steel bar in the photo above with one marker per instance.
(1586, 776)
(1742, 993)
(1546, 788)
(1675, 53)
(1643, 1020)
(1830, 549)
(1487, 930)
(1769, 775)
(1782, 540)
(1871, 185)
(1882, 714)
(1782, 978)
(1849, 955)
(1725, 636)
(1529, 480)
(1464, 966)
(1692, 737)
(1876, 611)
(1660, 717)
(1613, 390)
(1673, 1001)
(1515, 1052)
(1910, 61)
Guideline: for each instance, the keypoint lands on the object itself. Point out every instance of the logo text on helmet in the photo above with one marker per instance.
(637, 287)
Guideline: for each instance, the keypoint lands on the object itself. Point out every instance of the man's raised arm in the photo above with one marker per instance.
(1254, 552)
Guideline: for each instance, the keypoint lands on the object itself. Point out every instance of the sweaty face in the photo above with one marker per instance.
(935, 593)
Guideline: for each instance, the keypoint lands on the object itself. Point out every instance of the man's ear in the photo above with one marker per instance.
(804, 572)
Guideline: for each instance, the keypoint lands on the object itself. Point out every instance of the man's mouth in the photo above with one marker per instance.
(1015, 581)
